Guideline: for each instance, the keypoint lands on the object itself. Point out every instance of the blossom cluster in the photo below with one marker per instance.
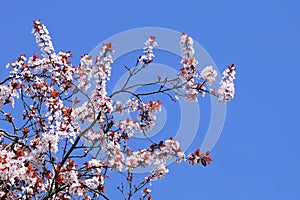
(188, 71)
(209, 74)
(43, 38)
(197, 82)
(6, 95)
(226, 90)
(148, 51)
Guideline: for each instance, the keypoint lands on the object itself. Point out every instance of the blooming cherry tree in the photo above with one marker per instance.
(45, 151)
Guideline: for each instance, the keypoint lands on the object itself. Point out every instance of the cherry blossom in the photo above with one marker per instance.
(43, 38)
(188, 71)
(148, 51)
(226, 90)
(209, 74)
(159, 172)
(5, 95)
(128, 127)
(45, 152)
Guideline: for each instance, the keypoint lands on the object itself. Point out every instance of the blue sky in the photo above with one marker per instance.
(257, 156)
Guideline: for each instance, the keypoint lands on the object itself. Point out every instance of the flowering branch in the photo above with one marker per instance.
(40, 152)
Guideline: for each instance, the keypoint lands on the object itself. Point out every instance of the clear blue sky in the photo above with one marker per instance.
(257, 156)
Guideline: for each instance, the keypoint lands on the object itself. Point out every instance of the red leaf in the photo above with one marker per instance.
(208, 159)
(197, 152)
(54, 94)
(25, 131)
(35, 56)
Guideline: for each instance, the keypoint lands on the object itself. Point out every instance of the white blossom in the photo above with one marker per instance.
(159, 172)
(43, 38)
(128, 126)
(226, 90)
(209, 74)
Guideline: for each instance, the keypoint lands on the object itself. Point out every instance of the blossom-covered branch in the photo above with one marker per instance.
(42, 148)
